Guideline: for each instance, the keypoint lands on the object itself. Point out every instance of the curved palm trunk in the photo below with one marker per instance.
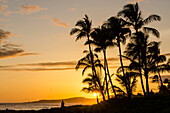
(121, 61)
(94, 70)
(110, 80)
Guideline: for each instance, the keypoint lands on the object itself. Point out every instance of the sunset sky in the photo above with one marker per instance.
(43, 67)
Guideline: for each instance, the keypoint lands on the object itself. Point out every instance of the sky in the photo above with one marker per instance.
(41, 55)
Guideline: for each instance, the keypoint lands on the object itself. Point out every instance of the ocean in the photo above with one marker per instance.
(32, 106)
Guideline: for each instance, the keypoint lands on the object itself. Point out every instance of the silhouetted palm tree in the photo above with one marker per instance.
(129, 78)
(92, 88)
(119, 32)
(84, 30)
(86, 64)
(100, 39)
(150, 57)
(134, 18)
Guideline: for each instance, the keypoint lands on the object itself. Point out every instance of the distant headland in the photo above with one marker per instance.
(68, 100)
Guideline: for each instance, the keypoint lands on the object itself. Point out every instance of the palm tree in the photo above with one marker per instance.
(119, 32)
(133, 16)
(86, 63)
(92, 88)
(151, 60)
(100, 39)
(84, 30)
(129, 78)
(155, 62)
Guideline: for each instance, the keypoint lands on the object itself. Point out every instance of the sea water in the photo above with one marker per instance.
(32, 106)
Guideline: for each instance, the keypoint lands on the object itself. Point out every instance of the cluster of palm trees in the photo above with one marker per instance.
(143, 55)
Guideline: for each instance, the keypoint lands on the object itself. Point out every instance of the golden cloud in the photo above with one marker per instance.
(29, 9)
(60, 23)
(56, 21)
(28, 54)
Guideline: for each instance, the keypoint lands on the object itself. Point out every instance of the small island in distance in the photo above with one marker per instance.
(81, 100)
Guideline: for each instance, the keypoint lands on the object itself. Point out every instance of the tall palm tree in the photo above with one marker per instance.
(86, 63)
(133, 15)
(84, 28)
(119, 32)
(100, 39)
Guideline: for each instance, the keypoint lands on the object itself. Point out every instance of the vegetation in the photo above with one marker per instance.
(143, 55)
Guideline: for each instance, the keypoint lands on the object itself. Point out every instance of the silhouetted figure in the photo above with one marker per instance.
(62, 104)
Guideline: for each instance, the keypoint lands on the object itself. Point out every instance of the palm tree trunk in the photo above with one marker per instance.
(141, 79)
(114, 91)
(140, 71)
(94, 70)
(160, 77)
(145, 69)
(97, 99)
(147, 83)
(120, 54)
(107, 89)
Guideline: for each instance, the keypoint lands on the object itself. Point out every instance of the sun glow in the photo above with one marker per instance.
(95, 94)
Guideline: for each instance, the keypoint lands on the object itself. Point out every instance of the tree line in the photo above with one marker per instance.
(143, 55)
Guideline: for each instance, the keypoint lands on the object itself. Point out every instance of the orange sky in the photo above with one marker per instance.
(43, 67)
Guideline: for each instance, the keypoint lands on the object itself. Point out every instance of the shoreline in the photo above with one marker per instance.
(154, 104)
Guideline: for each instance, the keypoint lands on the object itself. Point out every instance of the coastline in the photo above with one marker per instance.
(154, 104)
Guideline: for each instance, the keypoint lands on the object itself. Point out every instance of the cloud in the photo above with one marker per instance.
(28, 54)
(12, 50)
(3, 7)
(134, 1)
(6, 13)
(69, 63)
(4, 34)
(47, 66)
(55, 21)
(72, 9)
(3, 10)
(3, 1)
(29, 9)
(114, 59)
(59, 23)
(5, 53)
(167, 54)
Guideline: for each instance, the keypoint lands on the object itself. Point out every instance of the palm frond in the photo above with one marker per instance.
(84, 70)
(152, 18)
(151, 30)
(81, 24)
(81, 35)
(74, 30)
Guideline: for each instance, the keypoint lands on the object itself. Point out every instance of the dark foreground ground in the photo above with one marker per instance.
(155, 104)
